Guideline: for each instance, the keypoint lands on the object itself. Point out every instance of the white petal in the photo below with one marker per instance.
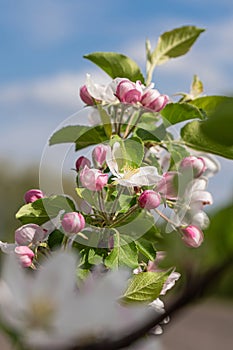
(200, 219)
(95, 90)
(203, 197)
(146, 176)
(7, 247)
(56, 278)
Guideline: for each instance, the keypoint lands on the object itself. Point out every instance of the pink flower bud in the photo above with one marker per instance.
(153, 100)
(196, 164)
(168, 185)
(85, 96)
(32, 195)
(25, 255)
(81, 162)
(29, 233)
(99, 155)
(129, 92)
(149, 199)
(192, 236)
(73, 222)
(93, 179)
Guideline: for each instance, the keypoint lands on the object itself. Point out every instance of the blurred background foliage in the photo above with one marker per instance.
(216, 249)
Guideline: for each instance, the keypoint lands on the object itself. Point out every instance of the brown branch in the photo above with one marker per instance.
(192, 291)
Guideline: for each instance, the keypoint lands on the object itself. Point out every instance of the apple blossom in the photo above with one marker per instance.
(25, 255)
(81, 162)
(129, 92)
(93, 179)
(29, 233)
(85, 96)
(48, 311)
(143, 176)
(73, 222)
(149, 199)
(194, 164)
(99, 155)
(152, 99)
(192, 236)
(32, 195)
(168, 185)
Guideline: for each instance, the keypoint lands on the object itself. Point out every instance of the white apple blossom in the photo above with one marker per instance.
(47, 310)
(143, 176)
(105, 93)
(188, 209)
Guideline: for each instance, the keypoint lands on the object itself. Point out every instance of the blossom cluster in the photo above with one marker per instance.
(91, 256)
(125, 91)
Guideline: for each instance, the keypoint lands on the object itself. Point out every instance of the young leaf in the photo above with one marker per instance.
(124, 253)
(175, 113)
(145, 287)
(44, 209)
(116, 65)
(155, 135)
(194, 137)
(82, 136)
(146, 248)
(218, 127)
(196, 87)
(210, 103)
(175, 43)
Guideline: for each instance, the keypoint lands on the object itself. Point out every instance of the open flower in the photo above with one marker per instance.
(189, 207)
(48, 312)
(143, 176)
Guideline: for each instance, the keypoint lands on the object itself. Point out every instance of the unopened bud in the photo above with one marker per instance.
(195, 164)
(32, 195)
(81, 162)
(129, 92)
(25, 255)
(85, 96)
(192, 236)
(149, 199)
(99, 155)
(73, 222)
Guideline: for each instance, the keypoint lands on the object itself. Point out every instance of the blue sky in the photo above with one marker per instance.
(41, 64)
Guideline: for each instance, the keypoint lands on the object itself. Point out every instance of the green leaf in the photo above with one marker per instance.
(175, 113)
(155, 135)
(124, 253)
(175, 43)
(44, 209)
(146, 248)
(145, 287)
(130, 152)
(90, 196)
(194, 137)
(219, 126)
(210, 103)
(116, 65)
(82, 136)
(134, 151)
(55, 239)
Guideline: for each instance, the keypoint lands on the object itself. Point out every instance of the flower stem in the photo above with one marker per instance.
(122, 218)
(130, 128)
(164, 217)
